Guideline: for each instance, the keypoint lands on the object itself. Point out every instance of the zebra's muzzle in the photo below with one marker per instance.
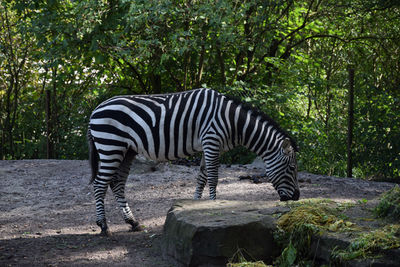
(296, 195)
(285, 197)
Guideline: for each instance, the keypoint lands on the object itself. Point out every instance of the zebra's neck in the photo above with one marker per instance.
(255, 132)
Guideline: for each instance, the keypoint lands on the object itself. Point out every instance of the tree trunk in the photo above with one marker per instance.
(220, 59)
(154, 76)
(186, 67)
(328, 99)
(201, 66)
(2, 145)
(309, 97)
(186, 60)
(48, 125)
(350, 124)
(155, 81)
(53, 116)
(7, 124)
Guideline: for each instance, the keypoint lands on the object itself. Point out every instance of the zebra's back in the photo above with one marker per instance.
(161, 127)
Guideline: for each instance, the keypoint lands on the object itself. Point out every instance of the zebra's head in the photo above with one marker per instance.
(282, 171)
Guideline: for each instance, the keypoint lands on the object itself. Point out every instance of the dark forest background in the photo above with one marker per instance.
(328, 71)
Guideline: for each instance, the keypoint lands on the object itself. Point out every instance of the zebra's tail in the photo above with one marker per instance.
(93, 157)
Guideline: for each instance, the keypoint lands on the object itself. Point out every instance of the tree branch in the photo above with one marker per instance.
(136, 72)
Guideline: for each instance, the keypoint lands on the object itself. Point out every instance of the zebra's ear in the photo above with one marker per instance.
(287, 146)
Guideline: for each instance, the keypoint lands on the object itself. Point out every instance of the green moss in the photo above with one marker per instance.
(371, 244)
(321, 214)
(239, 260)
(312, 217)
(308, 201)
(306, 219)
(389, 205)
(248, 264)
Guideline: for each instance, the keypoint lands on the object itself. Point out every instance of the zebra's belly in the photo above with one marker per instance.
(162, 158)
(172, 152)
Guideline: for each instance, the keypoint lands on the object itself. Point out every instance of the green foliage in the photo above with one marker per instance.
(311, 217)
(389, 204)
(238, 155)
(248, 264)
(373, 243)
(288, 256)
(370, 244)
(288, 58)
(239, 260)
(306, 219)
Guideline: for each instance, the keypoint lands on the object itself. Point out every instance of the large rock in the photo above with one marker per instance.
(210, 233)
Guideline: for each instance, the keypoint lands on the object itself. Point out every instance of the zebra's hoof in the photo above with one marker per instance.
(104, 228)
(105, 232)
(136, 227)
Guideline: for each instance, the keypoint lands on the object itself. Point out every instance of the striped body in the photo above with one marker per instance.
(171, 126)
(161, 127)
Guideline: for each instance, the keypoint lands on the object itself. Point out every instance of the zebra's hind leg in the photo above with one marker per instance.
(118, 187)
(100, 188)
(201, 179)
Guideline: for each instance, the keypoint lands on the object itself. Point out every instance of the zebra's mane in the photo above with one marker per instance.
(258, 113)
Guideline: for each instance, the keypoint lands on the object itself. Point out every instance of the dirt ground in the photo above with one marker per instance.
(47, 211)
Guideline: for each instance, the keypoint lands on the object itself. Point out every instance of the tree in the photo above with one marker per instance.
(15, 68)
(289, 58)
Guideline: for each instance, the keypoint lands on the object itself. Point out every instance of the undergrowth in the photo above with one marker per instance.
(307, 218)
(389, 205)
(311, 218)
(248, 264)
(371, 244)
(239, 260)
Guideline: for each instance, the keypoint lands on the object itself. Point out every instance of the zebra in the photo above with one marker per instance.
(170, 126)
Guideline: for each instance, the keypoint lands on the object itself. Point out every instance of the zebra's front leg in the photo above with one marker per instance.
(212, 165)
(100, 189)
(201, 180)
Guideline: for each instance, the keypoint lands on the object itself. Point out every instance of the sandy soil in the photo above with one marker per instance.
(47, 212)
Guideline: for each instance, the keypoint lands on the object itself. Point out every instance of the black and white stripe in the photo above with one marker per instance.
(171, 126)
